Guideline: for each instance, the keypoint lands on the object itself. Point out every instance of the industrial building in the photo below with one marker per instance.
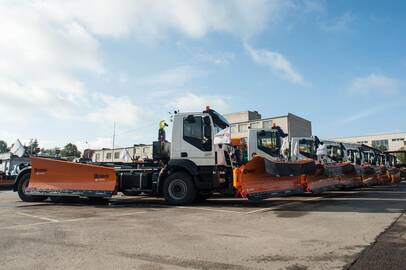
(291, 124)
(386, 141)
(125, 154)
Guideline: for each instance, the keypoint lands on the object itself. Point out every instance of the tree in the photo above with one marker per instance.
(33, 147)
(54, 152)
(382, 148)
(70, 151)
(3, 147)
(401, 156)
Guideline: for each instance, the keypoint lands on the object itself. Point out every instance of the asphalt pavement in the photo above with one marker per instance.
(358, 229)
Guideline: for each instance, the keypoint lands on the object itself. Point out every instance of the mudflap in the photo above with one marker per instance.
(255, 183)
(51, 177)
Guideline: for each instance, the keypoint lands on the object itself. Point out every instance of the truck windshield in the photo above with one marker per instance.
(307, 148)
(219, 121)
(269, 142)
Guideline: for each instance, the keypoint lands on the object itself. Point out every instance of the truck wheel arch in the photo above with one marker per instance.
(177, 165)
(20, 174)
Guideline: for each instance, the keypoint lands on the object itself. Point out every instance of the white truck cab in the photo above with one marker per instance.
(265, 143)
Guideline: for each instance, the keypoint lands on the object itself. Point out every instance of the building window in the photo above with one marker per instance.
(234, 129)
(242, 127)
(116, 155)
(398, 139)
(381, 144)
(97, 157)
(256, 124)
(267, 124)
(108, 155)
(364, 142)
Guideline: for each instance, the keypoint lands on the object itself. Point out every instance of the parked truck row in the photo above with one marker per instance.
(202, 159)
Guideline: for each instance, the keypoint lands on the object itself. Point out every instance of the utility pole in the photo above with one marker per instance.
(114, 139)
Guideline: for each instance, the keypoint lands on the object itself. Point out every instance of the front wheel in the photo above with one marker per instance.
(22, 187)
(179, 189)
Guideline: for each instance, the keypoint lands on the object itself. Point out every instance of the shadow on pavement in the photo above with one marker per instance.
(378, 199)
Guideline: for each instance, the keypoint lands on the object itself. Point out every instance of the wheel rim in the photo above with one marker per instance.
(177, 189)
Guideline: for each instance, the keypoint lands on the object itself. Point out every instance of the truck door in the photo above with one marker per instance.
(197, 140)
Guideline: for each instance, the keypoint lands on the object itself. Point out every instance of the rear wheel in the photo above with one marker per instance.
(179, 189)
(22, 187)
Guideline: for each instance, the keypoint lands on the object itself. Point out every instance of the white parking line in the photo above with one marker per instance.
(271, 208)
(54, 221)
(38, 217)
(210, 209)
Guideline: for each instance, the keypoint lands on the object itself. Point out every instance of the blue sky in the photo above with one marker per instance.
(69, 70)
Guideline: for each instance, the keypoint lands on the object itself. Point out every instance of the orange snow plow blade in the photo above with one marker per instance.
(322, 180)
(394, 175)
(59, 178)
(350, 176)
(369, 177)
(260, 178)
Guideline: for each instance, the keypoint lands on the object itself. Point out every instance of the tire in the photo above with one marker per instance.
(179, 189)
(203, 196)
(22, 185)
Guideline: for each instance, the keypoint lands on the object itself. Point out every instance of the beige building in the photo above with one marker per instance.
(292, 124)
(126, 154)
(387, 141)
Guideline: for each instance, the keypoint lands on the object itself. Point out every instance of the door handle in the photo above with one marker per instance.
(183, 154)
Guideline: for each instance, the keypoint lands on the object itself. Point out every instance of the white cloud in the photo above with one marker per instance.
(374, 84)
(152, 19)
(47, 48)
(277, 63)
(219, 58)
(189, 102)
(121, 110)
(338, 24)
(173, 77)
(360, 115)
(39, 60)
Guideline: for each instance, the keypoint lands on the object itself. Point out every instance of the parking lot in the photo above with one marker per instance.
(334, 230)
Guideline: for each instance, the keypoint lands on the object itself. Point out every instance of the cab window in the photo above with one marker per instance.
(269, 142)
(197, 132)
(307, 148)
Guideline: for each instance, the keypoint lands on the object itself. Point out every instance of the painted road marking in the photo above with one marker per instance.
(38, 217)
(54, 221)
(266, 209)
(210, 209)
